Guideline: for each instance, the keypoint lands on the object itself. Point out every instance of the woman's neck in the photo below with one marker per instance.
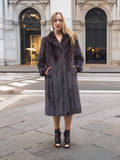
(57, 32)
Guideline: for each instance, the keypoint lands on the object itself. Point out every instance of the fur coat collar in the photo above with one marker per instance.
(53, 40)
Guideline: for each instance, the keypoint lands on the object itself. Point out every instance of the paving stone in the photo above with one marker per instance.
(8, 132)
(114, 131)
(54, 153)
(49, 129)
(98, 126)
(27, 125)
(20, 155)
(11, 119)
(49, 126)
(89, 153)
(30, 138)
(41, 147)
(26, 118)
(112, 120)
(81, 137)
(7, 148)
(108, 142)
(79, 122)
(23, 141)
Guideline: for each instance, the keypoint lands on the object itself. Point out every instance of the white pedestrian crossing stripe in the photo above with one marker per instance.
(80, 91)
(109, 79)
(29, 81)
(18, 84)
(6, 88)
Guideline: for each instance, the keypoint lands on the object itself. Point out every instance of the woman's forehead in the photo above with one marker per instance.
(58, 16)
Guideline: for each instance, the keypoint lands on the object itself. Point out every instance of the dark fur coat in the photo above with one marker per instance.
(61, 88)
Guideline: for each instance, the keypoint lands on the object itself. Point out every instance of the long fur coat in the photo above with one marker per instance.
(61, 88)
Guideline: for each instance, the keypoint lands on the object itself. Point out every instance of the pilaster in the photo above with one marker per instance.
(2, 59)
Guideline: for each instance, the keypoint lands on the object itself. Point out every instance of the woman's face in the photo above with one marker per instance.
(57, 24)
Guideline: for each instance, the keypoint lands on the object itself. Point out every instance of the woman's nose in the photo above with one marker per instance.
(58, 22)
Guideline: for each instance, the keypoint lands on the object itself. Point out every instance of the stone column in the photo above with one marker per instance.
(1, 34)
(10, 12)
(118, 9)
(6, 9)
(42, 28)
(64, 6)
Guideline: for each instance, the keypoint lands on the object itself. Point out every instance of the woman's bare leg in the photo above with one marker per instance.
(68, 122)
(56, 120)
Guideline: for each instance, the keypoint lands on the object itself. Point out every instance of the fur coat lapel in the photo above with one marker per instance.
(53, 40)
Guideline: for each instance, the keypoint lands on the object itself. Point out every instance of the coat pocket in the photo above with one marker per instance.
(74, 69)
(49, 74)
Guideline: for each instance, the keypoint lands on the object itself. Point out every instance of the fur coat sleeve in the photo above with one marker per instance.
(42, 63)
(78, 58)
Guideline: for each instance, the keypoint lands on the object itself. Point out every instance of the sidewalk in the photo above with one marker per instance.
(27, 134)
(87, 68)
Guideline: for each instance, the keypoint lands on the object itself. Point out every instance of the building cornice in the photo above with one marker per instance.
(83, 2)
(42, 2)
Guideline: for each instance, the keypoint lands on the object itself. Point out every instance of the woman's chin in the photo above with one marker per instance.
(58, 29)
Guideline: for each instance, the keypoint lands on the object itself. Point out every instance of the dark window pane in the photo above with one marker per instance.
(96, 34)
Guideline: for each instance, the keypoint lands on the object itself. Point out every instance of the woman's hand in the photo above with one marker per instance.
(75, 68)
(46, 72)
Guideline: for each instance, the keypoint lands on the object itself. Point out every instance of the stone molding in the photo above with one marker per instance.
(116, 22)
(41, 2)
(96, 2)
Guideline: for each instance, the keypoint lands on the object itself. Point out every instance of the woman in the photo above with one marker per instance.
(59, 60)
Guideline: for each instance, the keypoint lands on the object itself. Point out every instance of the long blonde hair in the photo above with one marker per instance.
(65, 29)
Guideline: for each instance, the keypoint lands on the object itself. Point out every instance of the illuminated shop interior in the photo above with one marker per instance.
(30, 36)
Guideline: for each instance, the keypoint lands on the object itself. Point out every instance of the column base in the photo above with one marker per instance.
(116, 62)
(2, 62)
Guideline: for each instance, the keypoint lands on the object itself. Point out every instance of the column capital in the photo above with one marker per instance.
(44, 2)
(109, 23)
(13, 2)
(82, 23)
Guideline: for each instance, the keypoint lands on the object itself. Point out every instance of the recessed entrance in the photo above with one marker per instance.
(96, 36)
(30, 30)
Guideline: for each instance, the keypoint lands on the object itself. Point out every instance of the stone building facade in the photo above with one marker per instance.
(24, 22)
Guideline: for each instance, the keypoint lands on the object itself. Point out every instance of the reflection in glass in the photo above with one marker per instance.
(30, 35)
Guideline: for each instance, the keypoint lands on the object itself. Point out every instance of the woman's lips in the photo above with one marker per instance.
(58, 26)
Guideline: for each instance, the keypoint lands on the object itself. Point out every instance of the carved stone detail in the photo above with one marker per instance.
(44, 2)
(109, 23)
(96, 4)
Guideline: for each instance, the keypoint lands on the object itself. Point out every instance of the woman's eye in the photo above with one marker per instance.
(60, 20)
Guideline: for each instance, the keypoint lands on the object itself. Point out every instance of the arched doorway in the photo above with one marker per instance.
(30, 31)
(96, 36)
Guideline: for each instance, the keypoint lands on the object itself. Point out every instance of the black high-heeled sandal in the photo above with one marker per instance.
(67, 139)
(57, 138)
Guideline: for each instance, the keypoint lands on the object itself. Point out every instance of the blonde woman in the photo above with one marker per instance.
(59, 60)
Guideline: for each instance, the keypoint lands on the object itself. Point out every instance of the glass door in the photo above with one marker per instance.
(96, 36)
(30, 35)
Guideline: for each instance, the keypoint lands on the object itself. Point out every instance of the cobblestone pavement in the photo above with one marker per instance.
(27, 134)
